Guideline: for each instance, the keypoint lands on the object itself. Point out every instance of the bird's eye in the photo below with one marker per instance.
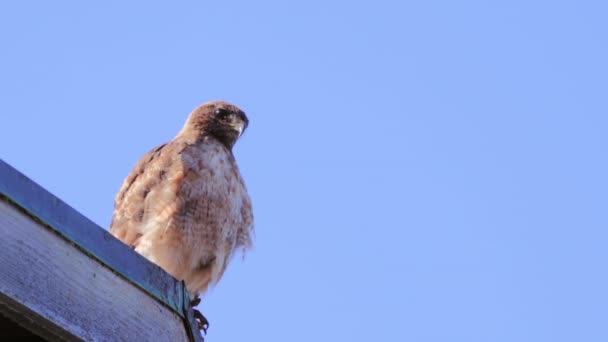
(222, 114)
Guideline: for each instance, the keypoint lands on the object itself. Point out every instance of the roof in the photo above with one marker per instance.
(26, 201)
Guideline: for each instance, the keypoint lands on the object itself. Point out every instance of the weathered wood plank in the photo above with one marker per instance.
(95, 241)
(53, 278)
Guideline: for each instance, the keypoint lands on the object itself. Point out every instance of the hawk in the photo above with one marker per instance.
(184, 206)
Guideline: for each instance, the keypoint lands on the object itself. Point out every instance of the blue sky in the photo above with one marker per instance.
(420, 171)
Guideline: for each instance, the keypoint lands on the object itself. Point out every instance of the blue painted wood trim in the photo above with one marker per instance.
(92, 239)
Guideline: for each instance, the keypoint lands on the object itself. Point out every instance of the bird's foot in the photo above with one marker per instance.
(203, 323)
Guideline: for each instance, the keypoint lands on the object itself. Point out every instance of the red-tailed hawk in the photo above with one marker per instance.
(184, 206)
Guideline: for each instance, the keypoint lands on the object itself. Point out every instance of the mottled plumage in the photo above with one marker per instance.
(184, 206)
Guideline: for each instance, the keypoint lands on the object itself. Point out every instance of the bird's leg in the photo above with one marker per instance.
(196, 301)
(203, 323)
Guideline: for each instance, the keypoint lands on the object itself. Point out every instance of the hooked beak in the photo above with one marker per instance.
(240, 127)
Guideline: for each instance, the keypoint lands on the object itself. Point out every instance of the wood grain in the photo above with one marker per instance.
(43, 272)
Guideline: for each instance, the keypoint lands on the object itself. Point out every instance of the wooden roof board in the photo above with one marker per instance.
(96, 242)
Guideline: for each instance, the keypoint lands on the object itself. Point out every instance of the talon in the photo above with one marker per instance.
(203, 323)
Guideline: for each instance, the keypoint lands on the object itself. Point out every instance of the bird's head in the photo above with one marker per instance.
(221, 120)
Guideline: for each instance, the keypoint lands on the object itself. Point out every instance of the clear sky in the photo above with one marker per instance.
(420, 171)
